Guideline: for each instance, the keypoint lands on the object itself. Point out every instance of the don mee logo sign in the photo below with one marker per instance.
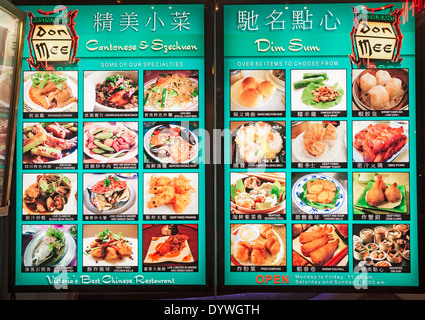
(376, 35)
(52, 38)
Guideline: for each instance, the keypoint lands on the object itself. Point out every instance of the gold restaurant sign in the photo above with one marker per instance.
(376, 36)
(52, 39)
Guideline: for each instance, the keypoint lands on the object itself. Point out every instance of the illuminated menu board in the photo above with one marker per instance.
(320, 164)
(110, 140)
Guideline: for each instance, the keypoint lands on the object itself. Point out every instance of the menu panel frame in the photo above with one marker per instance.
(282, 282)
(145, 284)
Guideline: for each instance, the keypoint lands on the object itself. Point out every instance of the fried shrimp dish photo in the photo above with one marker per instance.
(173, 192)
(317, 139)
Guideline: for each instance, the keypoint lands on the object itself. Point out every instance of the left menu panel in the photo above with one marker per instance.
(110, 147)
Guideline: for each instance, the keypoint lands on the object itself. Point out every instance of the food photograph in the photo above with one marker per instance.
(384, 193)
(381, 141)
(170, 142)
(110, 245)
(50, 142)
(170, 91)
(382, 247)
(111, 142)
(110, 194)
(320, 245)
(258, 143)
(319, 193)
(318, 90)
(111, 91)
(380, 89)
(259, 246)
(50, 194)
(49, 246)
(173, 246)
(258, 193)
(50, 91)
(170, 193)
(319, 141)
(257, 90)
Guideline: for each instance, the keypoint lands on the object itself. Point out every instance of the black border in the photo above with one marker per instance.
(148, 291)
(306, 292)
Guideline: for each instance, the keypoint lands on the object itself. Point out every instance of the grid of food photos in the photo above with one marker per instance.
(318, 173)
(107, 187)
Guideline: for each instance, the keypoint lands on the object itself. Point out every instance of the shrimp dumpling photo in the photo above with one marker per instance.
(379, 98)
(382, 77)
(394, 87)
(367, 81)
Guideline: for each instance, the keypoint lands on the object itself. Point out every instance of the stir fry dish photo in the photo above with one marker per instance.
(50, 91)
(110, 142)
(52, 142)
(171, 91)
(170, 143)
(50, 193)
(111, 91)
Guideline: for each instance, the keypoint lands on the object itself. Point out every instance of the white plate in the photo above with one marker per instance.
(280, 85)
(189, 107)
(297, 189)
(30, 106)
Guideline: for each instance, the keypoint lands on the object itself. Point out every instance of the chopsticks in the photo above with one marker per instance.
(337, 258)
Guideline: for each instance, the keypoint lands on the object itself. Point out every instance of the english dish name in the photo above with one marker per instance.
(155, 45)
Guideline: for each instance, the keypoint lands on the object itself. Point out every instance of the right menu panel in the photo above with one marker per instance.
(320, 147)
